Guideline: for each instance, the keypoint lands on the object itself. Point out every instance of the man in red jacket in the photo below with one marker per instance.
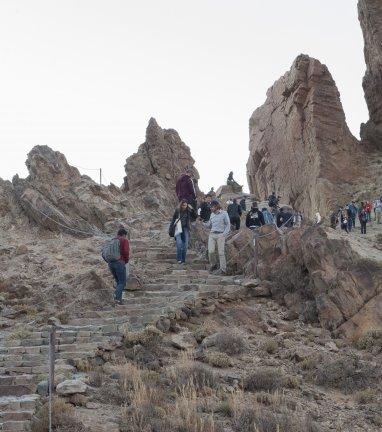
(118, 268)
(185, 188)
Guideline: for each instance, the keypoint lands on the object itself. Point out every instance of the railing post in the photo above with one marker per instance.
(52, 350)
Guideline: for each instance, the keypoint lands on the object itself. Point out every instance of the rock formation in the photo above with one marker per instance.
(370, 16)
(58, 198)
(157, 164)
(322, 277)
(300, 145)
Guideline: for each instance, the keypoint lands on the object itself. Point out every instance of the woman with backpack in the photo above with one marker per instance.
(363, 218)
(180, 228)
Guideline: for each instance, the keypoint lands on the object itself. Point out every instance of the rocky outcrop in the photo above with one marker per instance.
(58, 198)
(370, 16)
(300, 145)
(156, 166)
(322, 277)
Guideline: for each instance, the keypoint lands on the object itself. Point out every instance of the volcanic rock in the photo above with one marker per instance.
(370, 16)
(300, 145)
(324, 278)
(159, 161)
(58, 198)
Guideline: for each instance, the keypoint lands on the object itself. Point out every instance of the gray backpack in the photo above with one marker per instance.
(111, 250)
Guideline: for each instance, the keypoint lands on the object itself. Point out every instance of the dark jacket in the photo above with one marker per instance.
(285, 219)
(243, 205)
(185, 188)
(255, 218)
(186, 217)
(205, 211)
(234, 210)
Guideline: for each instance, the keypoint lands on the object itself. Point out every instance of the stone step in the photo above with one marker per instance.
(15, 416)
(14, 390)
(14, 380)
(18, 403)
(15, 426)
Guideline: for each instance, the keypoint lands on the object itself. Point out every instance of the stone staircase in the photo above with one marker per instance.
(170, 291)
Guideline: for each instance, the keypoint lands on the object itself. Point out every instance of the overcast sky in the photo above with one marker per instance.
(85, 76)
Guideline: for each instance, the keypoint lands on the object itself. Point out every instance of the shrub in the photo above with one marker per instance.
(218, 359)
(346, 374)
(193, 374)
(270, 346)
(206, 329)
(371, 341)
(150, 336)
(230, 342)
(365, 396)
(264, 379)
(63, 418)
(249, 419)
(309, 363)
(96, 378)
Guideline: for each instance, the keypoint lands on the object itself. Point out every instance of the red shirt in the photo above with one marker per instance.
(125, 248)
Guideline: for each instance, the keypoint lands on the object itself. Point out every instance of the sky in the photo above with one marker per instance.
(85, 76)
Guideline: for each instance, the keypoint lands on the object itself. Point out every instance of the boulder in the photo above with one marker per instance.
(301, 128)
(71, 387)
(325, 278)
(183, 341)
(370, 16)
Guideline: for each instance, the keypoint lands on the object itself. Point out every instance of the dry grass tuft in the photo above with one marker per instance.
(218, 359)
(230, 342)
(365, 396)
(270, 346)
(370, 341)
(206, 329)
(192, 374)
(264, 379)
(149, 337)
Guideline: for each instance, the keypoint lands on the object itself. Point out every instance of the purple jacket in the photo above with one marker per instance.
(185, 188)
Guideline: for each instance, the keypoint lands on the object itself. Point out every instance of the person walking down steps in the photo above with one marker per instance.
(234, 213)
(185, 188)
(220, 226)
(180, 227)
(116, 253)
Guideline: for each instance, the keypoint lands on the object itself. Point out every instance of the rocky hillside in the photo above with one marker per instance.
(300, 145)
(370, 16)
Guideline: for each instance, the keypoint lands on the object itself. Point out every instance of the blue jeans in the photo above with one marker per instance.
(350, 224)
(182, 245)
(118, 270)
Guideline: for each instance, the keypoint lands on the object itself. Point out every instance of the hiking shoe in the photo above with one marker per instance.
(180, 262)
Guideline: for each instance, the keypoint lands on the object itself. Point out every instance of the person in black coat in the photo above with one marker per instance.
(234, 213)
(205, 208)
(255, 217)
(284, 218)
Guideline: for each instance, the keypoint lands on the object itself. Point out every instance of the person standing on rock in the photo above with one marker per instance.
(363, 218)
(183, 216)
(220, 226)
(205, 208)
(234, 213)
(117, 254)
(185, 188)
(255, 218)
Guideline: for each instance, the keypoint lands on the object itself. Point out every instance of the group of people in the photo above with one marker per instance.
(347, 215)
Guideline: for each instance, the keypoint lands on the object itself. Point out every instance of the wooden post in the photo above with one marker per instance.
(52, 349)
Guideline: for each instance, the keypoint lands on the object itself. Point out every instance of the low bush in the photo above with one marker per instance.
(270, 346)
(218, 359)
(365, 396)
(370, 341)
(148, 337)
(63, 418)
(346, 374)
(195, 375)
(230, 342)
(264, 379)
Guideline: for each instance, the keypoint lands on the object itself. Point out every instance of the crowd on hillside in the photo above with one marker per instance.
(346, 217)
(220, 222)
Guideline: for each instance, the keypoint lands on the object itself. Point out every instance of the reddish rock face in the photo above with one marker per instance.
(300, 145)
(322, 277)
(370, 16)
